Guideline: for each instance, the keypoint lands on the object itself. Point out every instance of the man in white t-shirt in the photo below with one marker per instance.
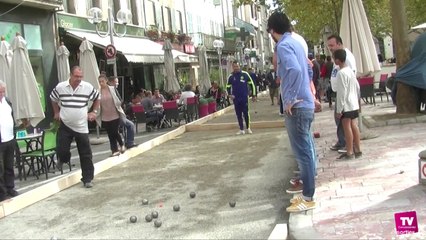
(187, 93)
(335, 42)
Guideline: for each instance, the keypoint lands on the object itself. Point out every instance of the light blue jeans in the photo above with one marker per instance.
(299, 132)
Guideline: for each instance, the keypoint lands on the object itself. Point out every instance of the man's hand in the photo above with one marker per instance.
(318, 107)
(91, 116)
(288, 108)
(253, 98)
(232, 97)
(339, 115)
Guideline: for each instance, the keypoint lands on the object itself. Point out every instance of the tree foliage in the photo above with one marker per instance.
(312, 16)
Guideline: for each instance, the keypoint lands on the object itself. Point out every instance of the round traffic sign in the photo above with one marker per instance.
(110, 51)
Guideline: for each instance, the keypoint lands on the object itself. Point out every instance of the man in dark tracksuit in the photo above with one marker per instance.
(238, 91)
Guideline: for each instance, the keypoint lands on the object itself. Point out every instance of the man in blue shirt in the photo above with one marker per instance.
(298, 103)
(238, 91)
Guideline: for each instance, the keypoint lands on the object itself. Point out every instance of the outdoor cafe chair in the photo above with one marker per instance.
(366, 85)
(191, 110)
(172, 112)
(140, 116)
(382, 87)
(42, 157)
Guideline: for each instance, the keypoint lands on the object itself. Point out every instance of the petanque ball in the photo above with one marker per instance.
(192, 194)
(176, 207)
(148, 218)
(133, 219)
(317, 135)
(154, 214)
(145, 201)
(157, 223)
(232, 203)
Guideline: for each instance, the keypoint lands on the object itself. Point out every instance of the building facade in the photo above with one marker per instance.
(140, 64)
(35, 21)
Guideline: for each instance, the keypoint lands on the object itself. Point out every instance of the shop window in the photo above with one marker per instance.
(167, 19)
(150, 13)
(179, 25)
(32, 35)
(9, 30)
(37, 65)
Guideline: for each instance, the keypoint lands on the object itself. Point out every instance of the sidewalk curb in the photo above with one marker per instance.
(300, 226)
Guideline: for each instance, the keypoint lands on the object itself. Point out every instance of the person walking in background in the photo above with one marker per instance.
(271, 80)
(109, 115)
(124, 122)
(325, 87)
(347, 105)
(7, 146)
(69, 102)
(238, 90)
(298, 103)
(335, 42)
(316, 75)
(253, 76)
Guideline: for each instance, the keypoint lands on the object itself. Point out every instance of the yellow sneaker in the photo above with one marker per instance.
(301, 206)
(296, 199)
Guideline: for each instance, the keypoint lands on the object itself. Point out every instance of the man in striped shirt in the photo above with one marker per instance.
(70, 101)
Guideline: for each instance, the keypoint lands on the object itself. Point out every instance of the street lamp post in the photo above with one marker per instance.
(219, 44)
(123, 17)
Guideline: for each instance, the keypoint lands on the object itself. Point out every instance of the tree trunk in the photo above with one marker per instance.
(406, 100)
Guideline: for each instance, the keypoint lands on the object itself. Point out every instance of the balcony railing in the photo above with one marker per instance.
(242, 24)
(207, 41)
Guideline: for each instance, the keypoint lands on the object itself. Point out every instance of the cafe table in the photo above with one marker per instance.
(29, 142)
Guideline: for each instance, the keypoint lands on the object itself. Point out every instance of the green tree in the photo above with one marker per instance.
(415, 12)
(312, 16)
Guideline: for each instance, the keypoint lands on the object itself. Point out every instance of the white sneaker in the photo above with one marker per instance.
(241, 132)
(342, 151)
(249, 131)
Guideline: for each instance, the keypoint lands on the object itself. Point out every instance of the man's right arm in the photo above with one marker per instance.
(54, 97)
(55, 107)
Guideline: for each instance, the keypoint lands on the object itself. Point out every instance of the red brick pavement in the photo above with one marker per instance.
(357, 199)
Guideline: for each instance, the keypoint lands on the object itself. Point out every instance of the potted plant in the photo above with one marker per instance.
(152, 33)
(203, 107)
(211, 104)
(181, 38)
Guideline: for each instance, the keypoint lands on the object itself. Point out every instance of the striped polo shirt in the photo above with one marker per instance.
(74, 104)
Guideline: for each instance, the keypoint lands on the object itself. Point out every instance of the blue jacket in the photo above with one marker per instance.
(238, 85)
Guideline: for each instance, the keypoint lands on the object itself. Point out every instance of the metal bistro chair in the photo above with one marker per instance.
(191, 111)
(366, 85)
(139, 116)
(172, 112)
(43, 156)
(382, 87)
